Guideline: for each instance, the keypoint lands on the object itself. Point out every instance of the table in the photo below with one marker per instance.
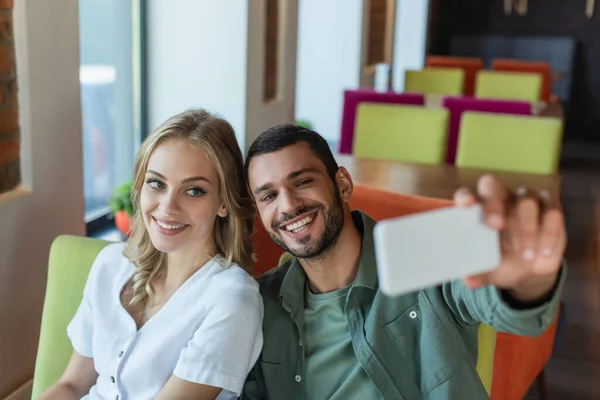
(440, 181)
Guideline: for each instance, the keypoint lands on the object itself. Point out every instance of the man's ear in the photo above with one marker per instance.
(344, 184)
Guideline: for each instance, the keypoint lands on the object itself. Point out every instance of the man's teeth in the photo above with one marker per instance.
(297, 226)
(166, 226)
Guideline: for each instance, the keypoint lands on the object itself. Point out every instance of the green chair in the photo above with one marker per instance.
(435, 81)
(511, 143)
(509, 86)
(401, 133)
(71, 258)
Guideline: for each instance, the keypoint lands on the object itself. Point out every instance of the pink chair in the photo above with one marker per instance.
(458, 105)
(351, 100)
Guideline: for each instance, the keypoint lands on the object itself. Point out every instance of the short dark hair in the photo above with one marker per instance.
(284, 135)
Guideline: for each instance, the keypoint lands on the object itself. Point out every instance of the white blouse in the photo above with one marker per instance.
(208, 332)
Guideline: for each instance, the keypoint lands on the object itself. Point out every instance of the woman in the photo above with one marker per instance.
(171, 314)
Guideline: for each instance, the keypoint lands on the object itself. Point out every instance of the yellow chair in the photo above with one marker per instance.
(512, 143)
(435, 81)
(401, 133)
(509, 86)
(70, 260)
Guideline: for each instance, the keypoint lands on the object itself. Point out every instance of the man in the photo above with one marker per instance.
(328, 331)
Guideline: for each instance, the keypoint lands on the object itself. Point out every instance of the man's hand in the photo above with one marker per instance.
(532, 238)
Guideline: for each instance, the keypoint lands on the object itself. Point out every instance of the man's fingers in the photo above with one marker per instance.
(464, 197)
(494, 196)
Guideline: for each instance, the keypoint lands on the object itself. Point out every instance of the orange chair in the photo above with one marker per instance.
(518, 360)
(470, 65)
(542, 68)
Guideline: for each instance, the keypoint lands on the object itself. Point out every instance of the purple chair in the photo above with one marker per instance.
(458, 105)
(351, 100)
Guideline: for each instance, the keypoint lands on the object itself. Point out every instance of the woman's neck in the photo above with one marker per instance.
(183, 263)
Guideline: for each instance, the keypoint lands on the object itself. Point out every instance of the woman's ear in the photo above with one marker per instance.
(344, 184)
(222, 211)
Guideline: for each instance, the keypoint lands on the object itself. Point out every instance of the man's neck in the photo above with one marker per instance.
(338, 268)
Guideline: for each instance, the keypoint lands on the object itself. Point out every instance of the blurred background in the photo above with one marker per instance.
(414, 96)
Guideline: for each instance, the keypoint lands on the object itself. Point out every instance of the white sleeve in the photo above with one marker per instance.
(228, 342)
(81, 328)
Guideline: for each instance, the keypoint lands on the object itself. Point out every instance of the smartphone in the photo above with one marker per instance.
(429, 248)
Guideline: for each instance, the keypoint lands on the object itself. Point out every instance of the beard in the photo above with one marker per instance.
(314, 248)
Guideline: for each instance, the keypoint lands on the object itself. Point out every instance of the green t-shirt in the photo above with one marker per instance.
(332, 369)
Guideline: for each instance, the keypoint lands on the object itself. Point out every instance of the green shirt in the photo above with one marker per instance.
(421, 345)
(332, 369)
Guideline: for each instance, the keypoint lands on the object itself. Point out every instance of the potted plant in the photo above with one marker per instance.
(304, 123)
(122, 207)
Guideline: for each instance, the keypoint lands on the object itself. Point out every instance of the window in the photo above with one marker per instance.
(110, 37)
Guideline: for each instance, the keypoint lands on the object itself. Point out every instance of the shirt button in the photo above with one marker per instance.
(412, 314)
(112, 379)
(300, 343)
(298, 378)
(121, 354)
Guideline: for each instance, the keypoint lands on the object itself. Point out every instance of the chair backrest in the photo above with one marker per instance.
(401, 133)
(469, 65)
(266, 252)
(435, 81)
(71, 258)
(511, 143)
(458, 105)
(542, 68)
(351, 100)
(508, 85)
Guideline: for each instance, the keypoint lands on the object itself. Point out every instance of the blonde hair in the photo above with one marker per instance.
(231, 234)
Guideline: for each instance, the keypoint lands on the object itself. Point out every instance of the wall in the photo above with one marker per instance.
(328, 61)
(410, 39)
(50, 201)
(261, 115)
(10, 165)
(196, 57)
(544, 17)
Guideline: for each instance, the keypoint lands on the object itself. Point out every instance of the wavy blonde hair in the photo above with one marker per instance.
(231, 234)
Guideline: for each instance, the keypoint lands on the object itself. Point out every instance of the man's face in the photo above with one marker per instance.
(299, 205)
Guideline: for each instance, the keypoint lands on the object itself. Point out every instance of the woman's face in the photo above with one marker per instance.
(180, 200)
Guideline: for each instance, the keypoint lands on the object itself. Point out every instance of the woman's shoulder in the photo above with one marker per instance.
(231, 277)
(110, 260)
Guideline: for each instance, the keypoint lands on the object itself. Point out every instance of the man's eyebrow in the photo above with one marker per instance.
(262, 188)
(295, 174)
(291, 175)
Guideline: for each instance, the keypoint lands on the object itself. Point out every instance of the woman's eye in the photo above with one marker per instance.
(154, 184)
(195, 192)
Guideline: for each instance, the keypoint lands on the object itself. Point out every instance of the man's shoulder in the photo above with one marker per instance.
(270, 282)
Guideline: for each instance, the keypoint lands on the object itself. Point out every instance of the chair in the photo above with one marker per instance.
(509, 143)
(70, 260)
(435, 81)
(354, 97)
(401, 133)
(458, 105)
(542, 68)
(508, 86)
(471, 66)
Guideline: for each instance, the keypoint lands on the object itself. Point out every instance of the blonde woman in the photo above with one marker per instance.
(172, 314)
